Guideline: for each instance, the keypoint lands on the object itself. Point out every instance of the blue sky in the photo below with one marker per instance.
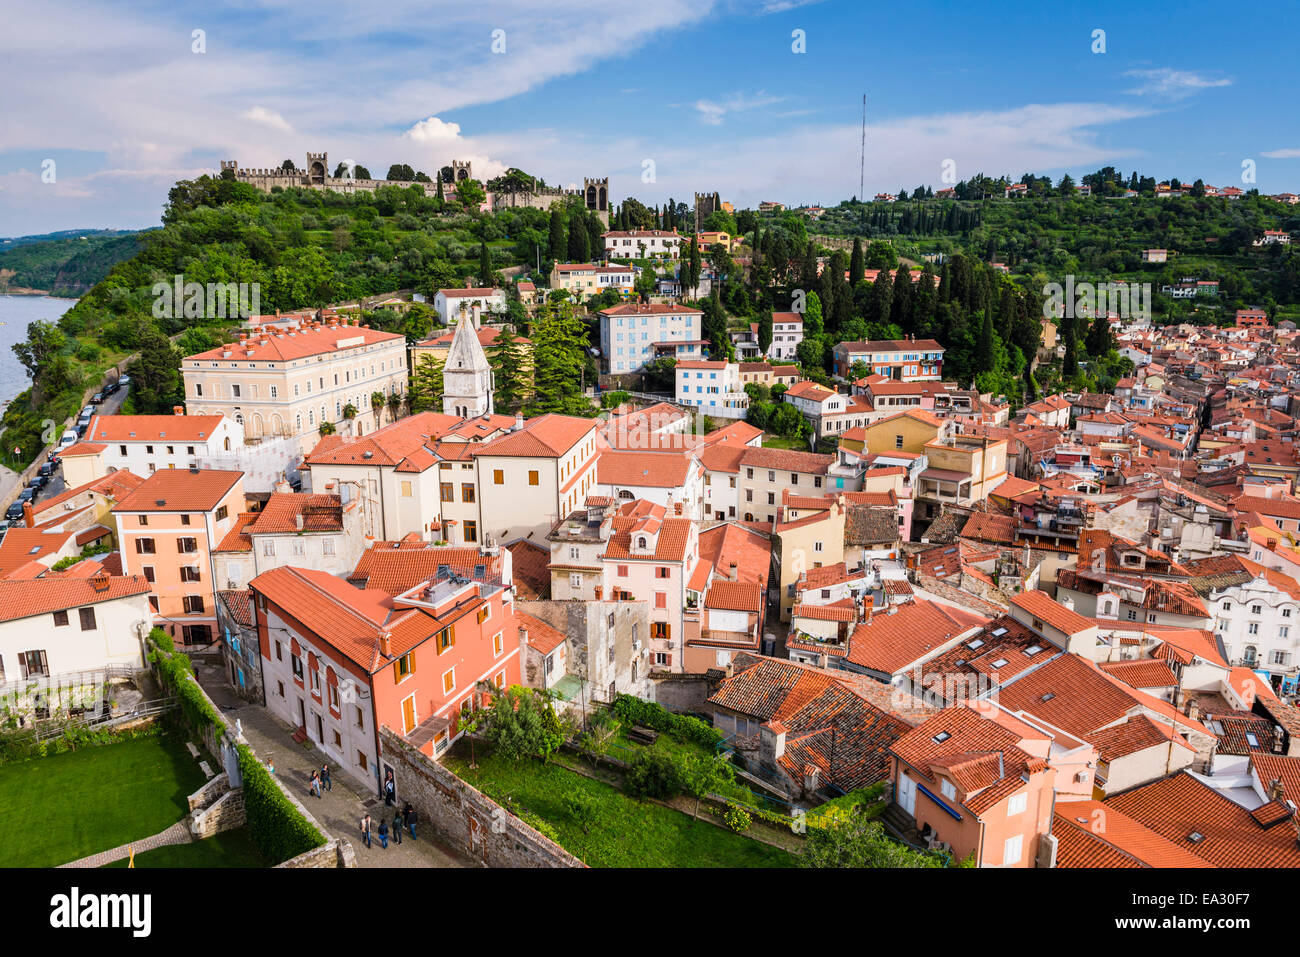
(708, 91)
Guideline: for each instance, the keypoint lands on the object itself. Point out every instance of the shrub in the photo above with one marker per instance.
(177, 676)
(582, 810)
(654, 775)
(736, 819)
(538, 824)
(278, 828)
(632, 710)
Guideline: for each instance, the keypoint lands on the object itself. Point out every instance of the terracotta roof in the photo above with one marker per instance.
(240, 605)
(642, 469)
(787, 460)
(180, 490)
(530, 568)
(114, 485)
(386, 446)
(81, 448)
(395, 567)
(1145, 673)
(734, 596)
(320, 513)
(836, 611)
(22, 546)
(546, 436)
(670, 535)
(903, 633)
(1134, 735)
(304, 342)
(53, 592)
(541, 636)
(990, 527)
(237, 539)
(1092, 834)
(723, 544)
(1229, 836)
(1042, 606)
(152, 428)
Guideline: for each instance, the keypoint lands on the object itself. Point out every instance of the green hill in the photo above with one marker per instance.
(62, 264)
(303, 248)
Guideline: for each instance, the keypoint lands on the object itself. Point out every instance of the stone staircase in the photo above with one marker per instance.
(899, 823)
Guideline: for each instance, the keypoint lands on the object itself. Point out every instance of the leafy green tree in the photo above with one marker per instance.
(470, 194)
(401, 172)
(861, 842)
(881, 255)
(484, 265)
(559, 361)
(424, 389)
(1100, 340)
(703, 775)
(522, 723)
(555, 244)
(511, 373)
(157, 385)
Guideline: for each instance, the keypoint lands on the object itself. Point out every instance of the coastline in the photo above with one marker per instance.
(25, 291)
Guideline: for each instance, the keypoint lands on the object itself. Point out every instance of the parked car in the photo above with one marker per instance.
(14, 511)
(97, 398)
(111, 388)
(124, 381)
(69, 438)
(37, 483)
(47, 469)
(26, 495)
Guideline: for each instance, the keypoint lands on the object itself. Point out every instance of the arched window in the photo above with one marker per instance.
(227, 443)
(640, 542)
(1107, 608)
(1250, 654)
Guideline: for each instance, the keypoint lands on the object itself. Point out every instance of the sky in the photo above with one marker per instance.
(108, 102)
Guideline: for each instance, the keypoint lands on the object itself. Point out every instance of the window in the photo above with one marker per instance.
(190, 573)
(449, 681)
(361, 716)
(498, 477)
(661, 599)
(446, 639)
(404, 666)
(295, 663)
(144, 520)
(34, 663)
(280, 688)
(268, 548)
(497, 645)
(193, 604)
(484, 613)
(187, 545)
(222, 512)
(1011, 851)
(144, 546)
(60, 618)
(234, 391)
(622, 571)
(948, 790)
(662, 571)
(1253, 628)
(279, 652)
(299, 547)
(467, 492)
(447, 491)
(327, 546)
(471, 531)
(533, 477)
(1017, 804)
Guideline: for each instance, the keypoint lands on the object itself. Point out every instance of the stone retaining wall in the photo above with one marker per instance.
(225, 815)
(466, 819)
(210, 792)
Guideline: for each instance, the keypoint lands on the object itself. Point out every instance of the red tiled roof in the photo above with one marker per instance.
(541, 635)
(1146, 673)
(1181, 806)
(530, 567)
(52, 592)
(1134, 735)
(642, 469)
(787, 460)
(1042, 606)
(151, 428)
(396, 567)
(320, 513)
(734, 596)
(905, 632)
(114, 485)
(237, 539)
(82, 448)
(304, 342)
(1092, 834)
(180, 490)
(546, 436)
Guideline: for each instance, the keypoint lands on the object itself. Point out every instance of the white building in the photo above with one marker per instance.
(1257, 621)
(145, 444)
(642, 243)
(467, 381)
(713, 388)
(590, 279)
(451, 304)
(635, 333)
(787, 333)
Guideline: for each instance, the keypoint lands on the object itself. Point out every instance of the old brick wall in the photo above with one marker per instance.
(225, 815)
(682, 692)
(465, 819)
(210, 792)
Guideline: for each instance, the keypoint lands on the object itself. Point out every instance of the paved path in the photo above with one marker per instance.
(339, 810)
(178, 833)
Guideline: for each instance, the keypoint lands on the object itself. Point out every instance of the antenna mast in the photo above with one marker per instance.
(862, 158)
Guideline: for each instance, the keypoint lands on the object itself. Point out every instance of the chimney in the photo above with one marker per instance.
(100, 582)
(178, 410)
(386, 643)
(1065, 601)
(519, 421)
(733, 573)
(730, 669)
(1193, 711)
(29, 515)
(772, 741)
(1275, 789)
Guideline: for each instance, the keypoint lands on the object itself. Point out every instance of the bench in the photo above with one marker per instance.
(643, 735)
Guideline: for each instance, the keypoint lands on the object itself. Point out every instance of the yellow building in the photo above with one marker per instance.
(909, 431)
(812, 541)
(963, 470)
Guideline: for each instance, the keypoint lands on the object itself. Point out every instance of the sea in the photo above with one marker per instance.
(16, 313)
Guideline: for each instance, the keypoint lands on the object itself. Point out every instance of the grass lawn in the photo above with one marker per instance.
(227, 849)
(628, 833)
(67, 806)
(771, 441)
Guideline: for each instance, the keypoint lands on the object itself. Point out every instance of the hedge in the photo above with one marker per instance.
(278, 828)
(177, 676)
(632, 710)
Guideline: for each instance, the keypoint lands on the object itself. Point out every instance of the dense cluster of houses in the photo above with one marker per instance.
(1019, 621)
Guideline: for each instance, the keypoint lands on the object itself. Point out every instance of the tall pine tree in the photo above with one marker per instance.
(559, 347)
(510, 372)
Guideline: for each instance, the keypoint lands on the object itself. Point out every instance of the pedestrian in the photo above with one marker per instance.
(383, 833)
(397, 826)
(365, 829)
(409, 815)
(390, 789)
(325, 777)
(315, 783)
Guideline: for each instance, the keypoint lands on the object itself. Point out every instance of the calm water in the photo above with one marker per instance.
(15, 314)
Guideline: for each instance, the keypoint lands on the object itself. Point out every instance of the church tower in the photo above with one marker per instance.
(467, 377)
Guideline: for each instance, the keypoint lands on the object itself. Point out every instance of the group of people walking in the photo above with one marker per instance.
(403, 818)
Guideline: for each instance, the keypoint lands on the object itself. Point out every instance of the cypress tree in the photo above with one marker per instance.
(578, 251)
(555, 243)
(484, 265)
(856, 265)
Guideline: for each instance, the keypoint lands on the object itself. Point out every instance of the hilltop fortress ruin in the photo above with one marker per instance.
(594, 192)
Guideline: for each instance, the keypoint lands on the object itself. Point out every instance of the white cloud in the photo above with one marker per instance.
(264, 117)
(1289, 153)
(713, 111)
(781, 6)
(433, 130)
(1174, 84)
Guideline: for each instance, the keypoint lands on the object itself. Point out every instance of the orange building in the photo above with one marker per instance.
(166, 531)
(341, 661)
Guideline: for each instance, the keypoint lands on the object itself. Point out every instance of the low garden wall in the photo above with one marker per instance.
(466, 819)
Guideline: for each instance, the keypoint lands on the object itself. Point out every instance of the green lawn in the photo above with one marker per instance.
(227, 849)
(67, 806)
(628, 833)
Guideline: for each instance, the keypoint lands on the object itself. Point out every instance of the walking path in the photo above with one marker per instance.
(339, 809)
(178, 833)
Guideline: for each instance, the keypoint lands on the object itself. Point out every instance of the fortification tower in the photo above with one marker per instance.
(318, 168)
(595, 194)
(460, 169)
